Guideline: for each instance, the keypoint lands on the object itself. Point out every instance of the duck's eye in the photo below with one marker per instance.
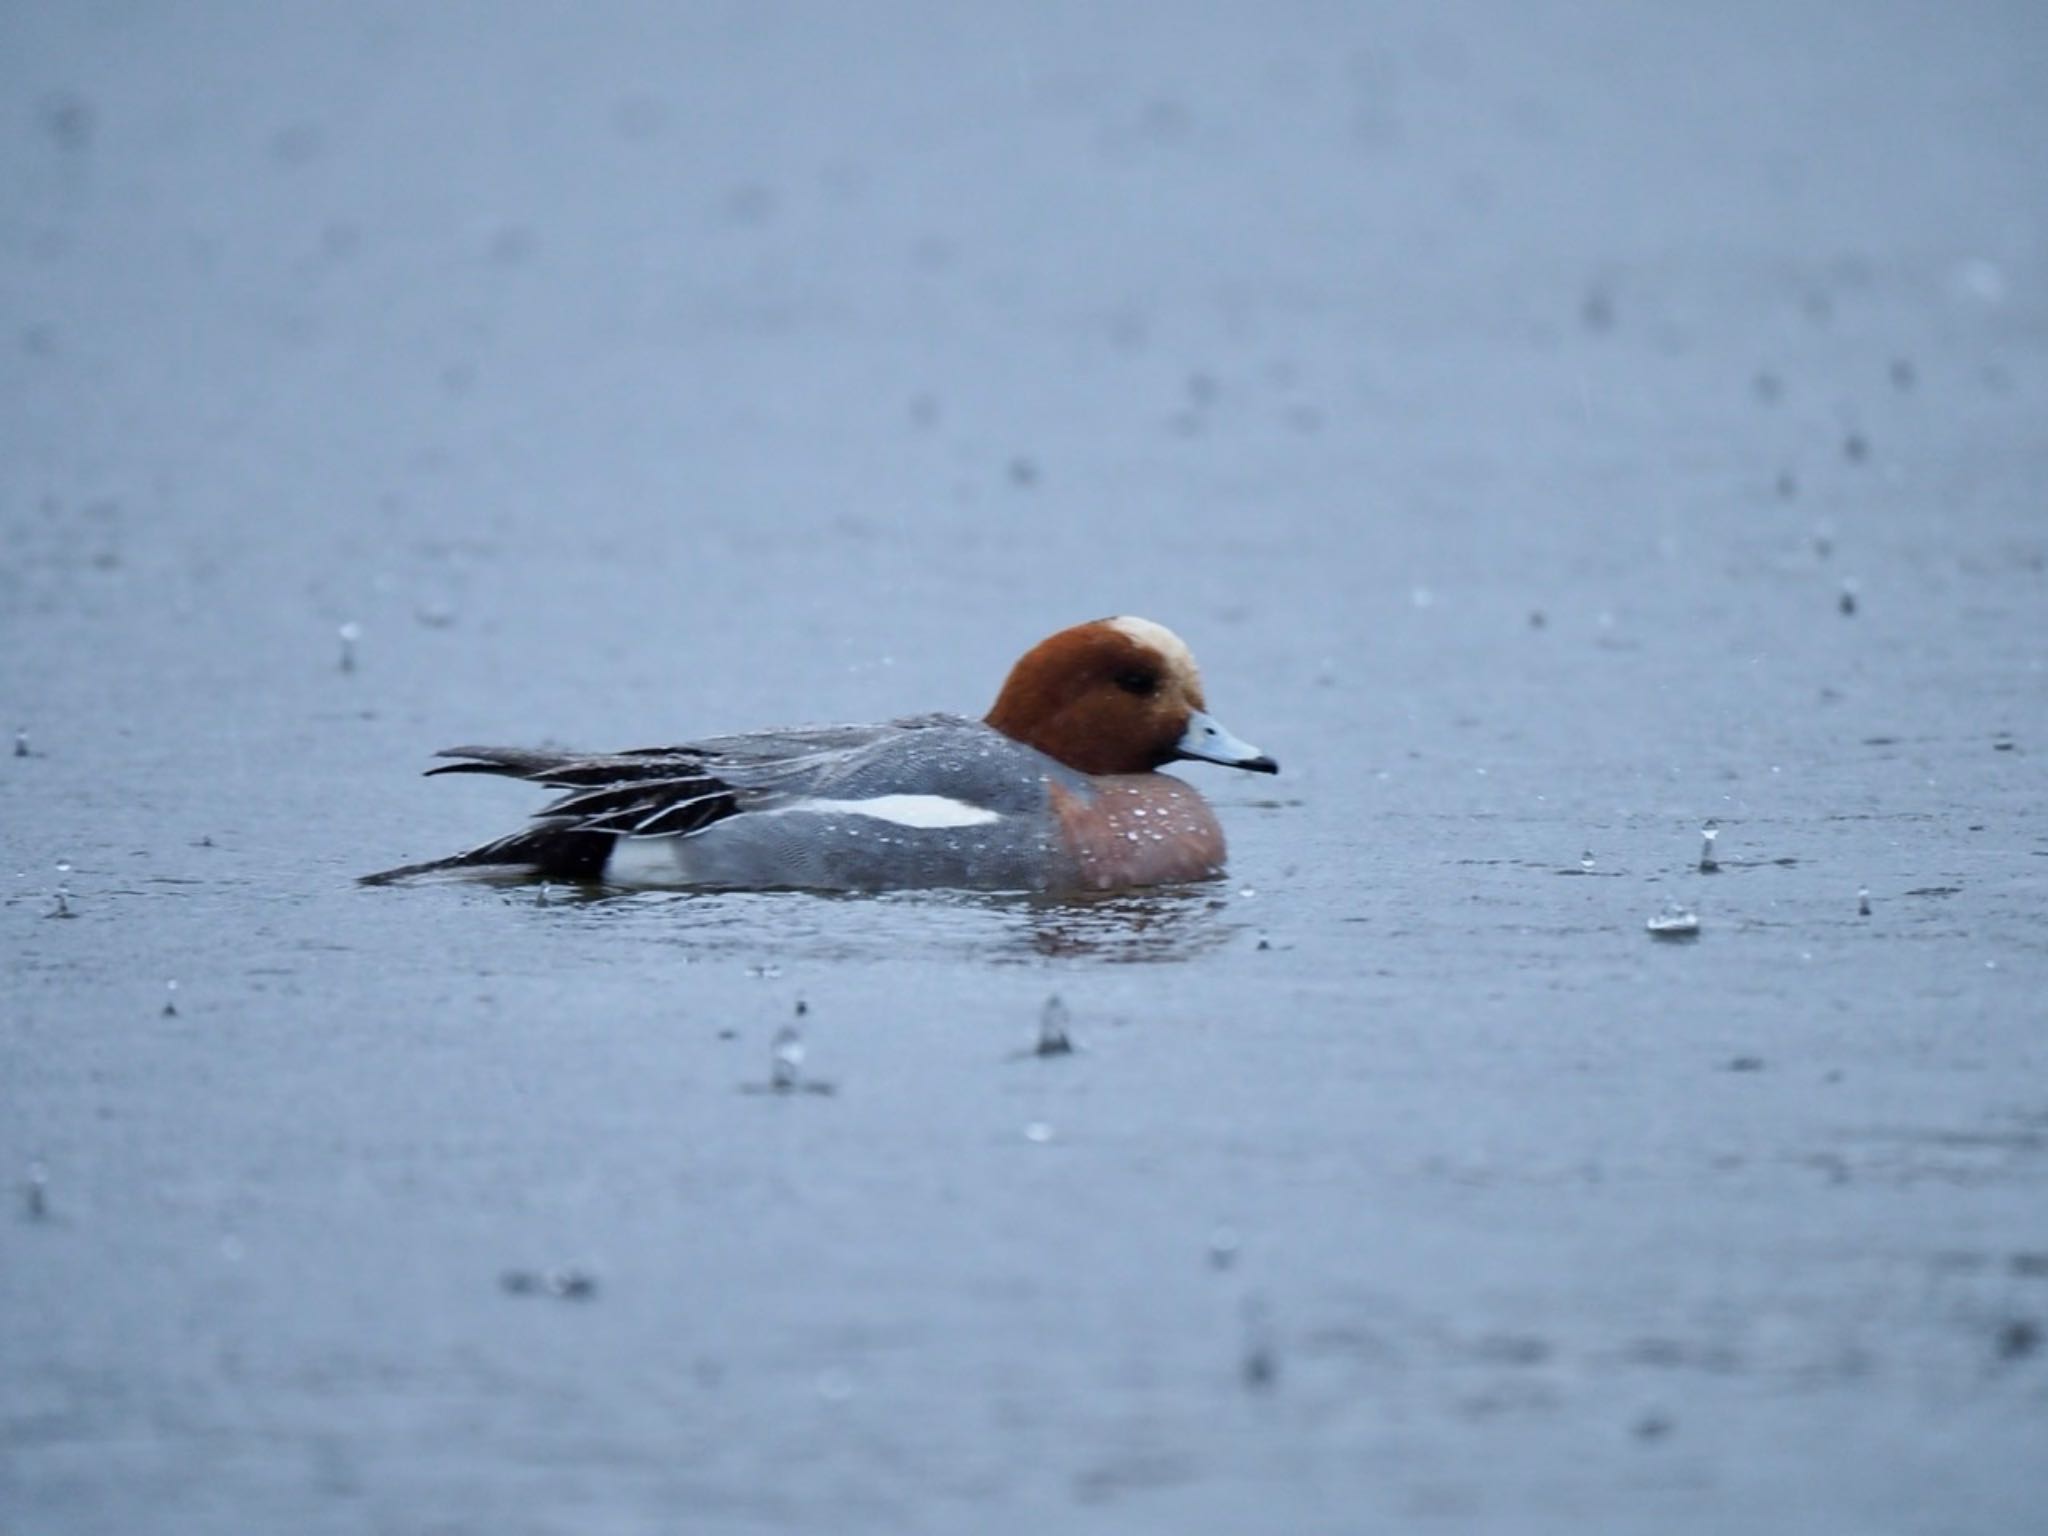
(1138, 681)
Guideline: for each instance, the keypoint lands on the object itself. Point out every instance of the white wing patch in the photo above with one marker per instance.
(662, 858)
(928, 811)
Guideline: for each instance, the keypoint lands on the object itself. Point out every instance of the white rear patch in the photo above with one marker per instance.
(930, 811)
(644, 861)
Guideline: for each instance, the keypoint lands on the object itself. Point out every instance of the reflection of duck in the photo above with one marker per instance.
(1133, 927)
(1054, 791)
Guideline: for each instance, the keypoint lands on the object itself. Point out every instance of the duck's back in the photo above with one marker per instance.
(934, 800)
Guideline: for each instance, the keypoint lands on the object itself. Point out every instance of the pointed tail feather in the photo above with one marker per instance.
(558, 852)
(513, 762)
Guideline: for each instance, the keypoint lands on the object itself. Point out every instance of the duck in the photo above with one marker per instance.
(1056, 789)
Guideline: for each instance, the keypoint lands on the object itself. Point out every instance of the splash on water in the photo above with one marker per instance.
(787, 1068)
(1053, 1039)
(1676, 921)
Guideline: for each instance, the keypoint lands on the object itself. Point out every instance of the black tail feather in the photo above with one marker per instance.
(514, 762)
(557, 852)
(571, 770)
(650, 791)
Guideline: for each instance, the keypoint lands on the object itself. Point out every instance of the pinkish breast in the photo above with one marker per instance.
(1139, 829)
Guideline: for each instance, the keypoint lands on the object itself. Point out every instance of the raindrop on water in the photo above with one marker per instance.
(1260, 1366)
(1708, 863)
(63, 901)
(834, 1386)
(1676, 921)
(35, 1192)
(787, 1068)
(1863, 901)
(1223, 1246)
(1053, 1039)
(170, 999)
(349, 634)
(571, 1284)
(21, 742)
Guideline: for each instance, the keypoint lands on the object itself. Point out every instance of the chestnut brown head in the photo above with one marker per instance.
(1117, 695)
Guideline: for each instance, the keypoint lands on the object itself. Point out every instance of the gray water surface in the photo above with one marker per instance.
(1555, 427)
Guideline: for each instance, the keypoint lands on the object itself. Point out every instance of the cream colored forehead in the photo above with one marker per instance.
(1169, 647)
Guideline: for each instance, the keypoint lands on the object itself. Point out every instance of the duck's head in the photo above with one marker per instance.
(1116, 696)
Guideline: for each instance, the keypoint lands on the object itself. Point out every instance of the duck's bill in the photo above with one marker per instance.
(1207, 741)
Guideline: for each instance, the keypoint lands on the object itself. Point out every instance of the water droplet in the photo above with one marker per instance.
(1053, 1039)
(1223, 1247)
(170, 999)
(349, 634)
(787, 1068)
(834, 1386)
(35, 1192)
(1676, 921)
(1708, 863)
(1847, 601)
(1586, 862)
(21, 743)
(1979, 279)
(571, 1284)
(1260, 1367)
(1863, 901)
